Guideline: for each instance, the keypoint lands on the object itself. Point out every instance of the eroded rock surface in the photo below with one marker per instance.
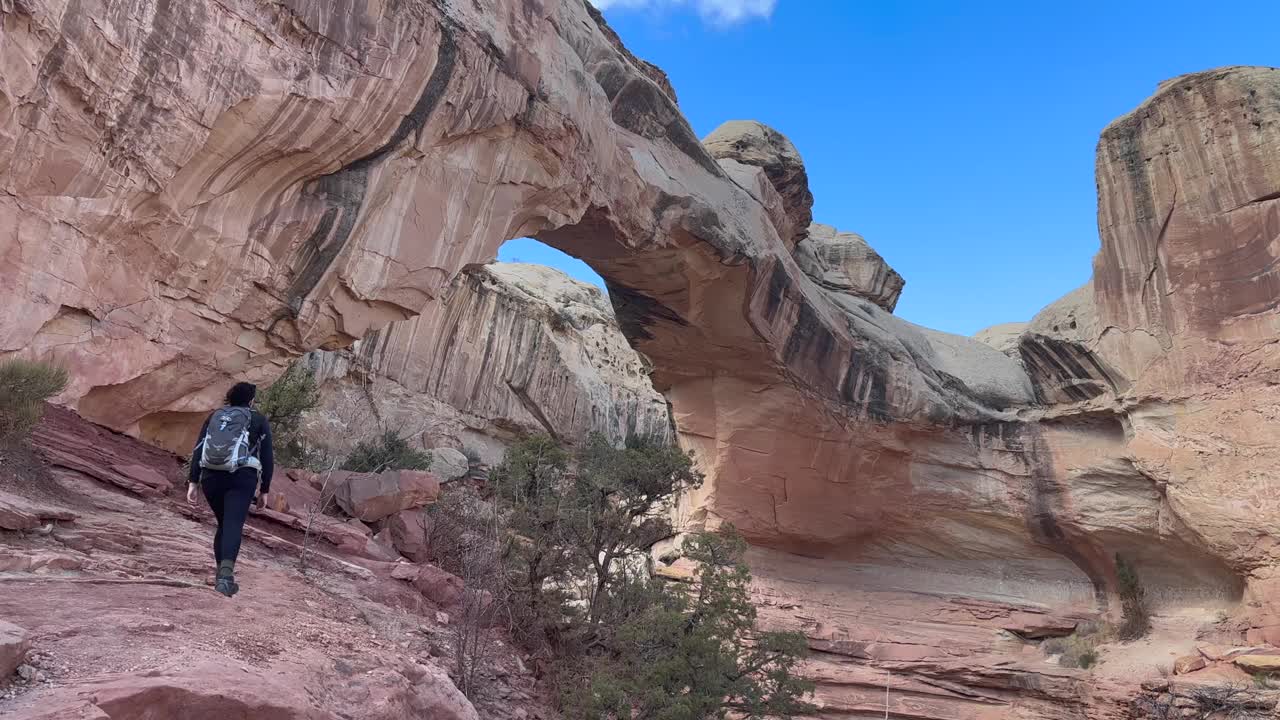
(133, 629)
(202, 191)
(844, 262)
(512, 348)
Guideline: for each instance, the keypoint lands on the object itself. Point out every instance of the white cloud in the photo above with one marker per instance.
(722, 12)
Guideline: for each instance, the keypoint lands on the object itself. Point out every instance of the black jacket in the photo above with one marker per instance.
(259, 442)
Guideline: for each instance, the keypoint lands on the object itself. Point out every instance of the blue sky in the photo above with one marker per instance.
(957, 137)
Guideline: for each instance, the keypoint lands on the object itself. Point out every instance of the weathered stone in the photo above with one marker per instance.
(380, 547)
(405, 571)
(1188, 663)
(752, 143)
(512, 349)
(408, 533)
(14, 644)
(435, 696)
(373, 496)
(843, 262)
(1003, 337)
(449, 464)
(197, 220)
(1258, 663)
(17, 513)
(440, 587)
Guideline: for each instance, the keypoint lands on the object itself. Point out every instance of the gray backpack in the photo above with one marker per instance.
(226, 443)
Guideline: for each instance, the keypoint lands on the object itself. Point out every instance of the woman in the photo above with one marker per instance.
(232, 461)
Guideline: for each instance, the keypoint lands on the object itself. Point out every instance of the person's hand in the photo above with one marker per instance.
(259, 500)
(191, 494)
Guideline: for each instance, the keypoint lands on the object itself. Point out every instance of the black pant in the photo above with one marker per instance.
(229, 496)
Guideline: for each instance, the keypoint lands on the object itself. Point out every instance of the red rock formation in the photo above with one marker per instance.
(120, 620)
(200, 191)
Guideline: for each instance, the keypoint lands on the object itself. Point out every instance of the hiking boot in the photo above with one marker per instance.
(226, 585)
(226, 580)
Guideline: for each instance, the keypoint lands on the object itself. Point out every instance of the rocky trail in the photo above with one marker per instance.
(112, 590)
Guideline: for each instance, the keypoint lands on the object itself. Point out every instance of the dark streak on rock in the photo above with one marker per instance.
(638, 312)
(1045, 511)
(865, 384)
(1065, 370)
(343, 190)
(778, 284)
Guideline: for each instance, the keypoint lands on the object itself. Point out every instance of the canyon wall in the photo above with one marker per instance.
(511, 349)
(199, 192)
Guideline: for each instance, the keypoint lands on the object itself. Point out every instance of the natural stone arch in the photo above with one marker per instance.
(335, 171)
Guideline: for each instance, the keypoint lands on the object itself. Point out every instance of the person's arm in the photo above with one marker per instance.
(194, 478)
(266, 457)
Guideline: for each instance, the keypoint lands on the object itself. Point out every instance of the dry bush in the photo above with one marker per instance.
(465, 535)
(1221, 702)
(318, 515)
(1077, 650)
(24, 388)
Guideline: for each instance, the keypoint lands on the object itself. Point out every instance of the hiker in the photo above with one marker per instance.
(232, 460)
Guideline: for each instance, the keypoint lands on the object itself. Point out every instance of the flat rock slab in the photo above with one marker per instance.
(1258, 663)
(20, 514)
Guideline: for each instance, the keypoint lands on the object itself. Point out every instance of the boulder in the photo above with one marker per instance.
(408, 533)
(435, 696)
(14, 644)
(405, 571)
(1188, 664)
(371, 497)
(440, 587)
(754, 143)
(449, 464)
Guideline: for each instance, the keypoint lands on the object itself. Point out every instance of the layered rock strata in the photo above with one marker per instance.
(510, 349)
(201, 191)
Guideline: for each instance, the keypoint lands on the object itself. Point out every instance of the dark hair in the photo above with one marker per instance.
(241, 394)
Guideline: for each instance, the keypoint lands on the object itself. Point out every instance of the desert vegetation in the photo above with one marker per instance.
(557, 553)
(24, 387)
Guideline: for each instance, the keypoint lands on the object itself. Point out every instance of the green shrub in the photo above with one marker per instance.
(687, 652)
(1077, 650)
(1136, 616)
(24, 388)
(284, 403)
(1087, 659)
(388, 452)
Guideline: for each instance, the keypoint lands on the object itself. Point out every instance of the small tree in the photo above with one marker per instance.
(1136, 618)
(696, 653)
(388, 452)
(284, 403)
(530, 484)
(24, 388)
(619, 506)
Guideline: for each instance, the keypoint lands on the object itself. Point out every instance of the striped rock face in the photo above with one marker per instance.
(199, 192)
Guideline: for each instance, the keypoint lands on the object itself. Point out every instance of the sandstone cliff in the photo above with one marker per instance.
(201, 191)
(509, 349)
